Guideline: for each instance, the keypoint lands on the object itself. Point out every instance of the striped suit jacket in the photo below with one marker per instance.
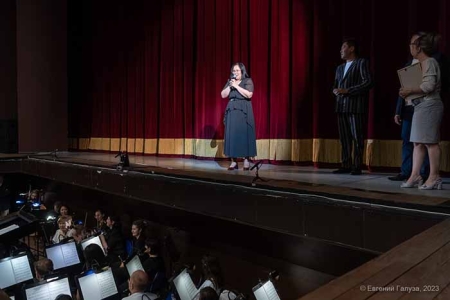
(358, 81)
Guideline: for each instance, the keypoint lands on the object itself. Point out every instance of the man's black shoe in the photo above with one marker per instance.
(342, 171)
(398, 177)
(356, 172)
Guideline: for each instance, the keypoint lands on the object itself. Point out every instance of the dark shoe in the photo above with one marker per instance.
(356, 172)
(342, 171)
(398, 177)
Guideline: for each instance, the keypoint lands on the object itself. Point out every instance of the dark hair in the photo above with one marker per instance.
(116, 220)
(208, 293)
(428, 42)
(242, 67)
(63, 297)
(154, 245)
(94, 256)
(212, 270)
(58, 205)
(351, 42)
(64, 205)
(43, 266)
(80, 230)
(100, 211)
(141, 224)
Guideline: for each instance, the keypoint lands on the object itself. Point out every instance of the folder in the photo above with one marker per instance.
(411, 77)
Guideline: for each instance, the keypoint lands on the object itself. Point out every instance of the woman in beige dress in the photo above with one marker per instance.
(428, 111)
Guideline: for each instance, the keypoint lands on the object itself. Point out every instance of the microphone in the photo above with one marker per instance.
(232, 76)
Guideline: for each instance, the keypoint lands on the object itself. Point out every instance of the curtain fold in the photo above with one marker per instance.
(145, 76)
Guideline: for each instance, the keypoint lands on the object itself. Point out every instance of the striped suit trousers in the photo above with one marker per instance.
(351, 135)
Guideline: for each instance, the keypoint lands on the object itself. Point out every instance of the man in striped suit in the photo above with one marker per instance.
(352, 84)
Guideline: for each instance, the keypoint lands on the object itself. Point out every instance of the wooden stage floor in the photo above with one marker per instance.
(372, 188)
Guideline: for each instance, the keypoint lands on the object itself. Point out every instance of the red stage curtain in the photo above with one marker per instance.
(145, 76)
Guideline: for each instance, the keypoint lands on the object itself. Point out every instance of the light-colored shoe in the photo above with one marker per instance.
(233, 166)
(437, 185)
(246, 165)
(416, 182)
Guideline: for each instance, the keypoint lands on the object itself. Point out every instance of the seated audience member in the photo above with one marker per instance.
(94, 257)
(43, 268)
(138, 237)
(137, 285)
(208, 293)
(114, 239)
(64, 231)
(100, 219)
(212, 274)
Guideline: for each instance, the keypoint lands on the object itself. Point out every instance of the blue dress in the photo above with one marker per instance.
(240, 137)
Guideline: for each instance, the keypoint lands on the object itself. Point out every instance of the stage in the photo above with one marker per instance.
(372, 188)
(300, 201)
(325, 224)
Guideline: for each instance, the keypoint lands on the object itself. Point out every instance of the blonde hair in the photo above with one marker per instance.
(64, 219)
(428, 42)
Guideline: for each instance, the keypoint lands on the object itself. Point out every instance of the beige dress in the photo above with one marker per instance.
(427, 116)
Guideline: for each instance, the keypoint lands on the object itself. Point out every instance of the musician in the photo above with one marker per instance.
(64, 231)
(100, 218)
(138, 237)
(114, 239)
(137, 285)
(43, 268)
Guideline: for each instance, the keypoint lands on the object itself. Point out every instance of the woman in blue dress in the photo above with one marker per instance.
(240, 137)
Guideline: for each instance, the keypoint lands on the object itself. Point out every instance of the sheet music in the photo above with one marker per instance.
(185, 287)
(55, 255)
(270, 290)
(22, 270)
(95, 240)
(89, 287)
(8, 229)
(39, 292)
(134, 264)
(70, 254)
(48, 290)
(7, 279)
(58, 287)
(190, 286)
(107, 284)
(266, 292)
